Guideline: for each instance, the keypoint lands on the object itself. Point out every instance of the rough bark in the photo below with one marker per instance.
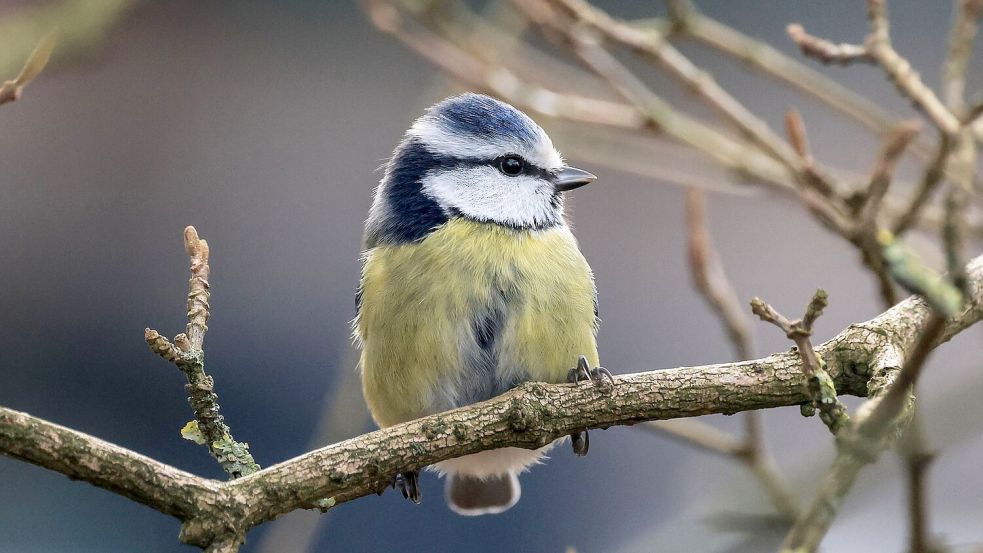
(864, 356)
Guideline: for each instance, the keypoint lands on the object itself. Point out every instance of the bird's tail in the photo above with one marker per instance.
(472, 495)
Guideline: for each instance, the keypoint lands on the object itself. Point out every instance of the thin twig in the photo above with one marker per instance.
(877, 47)
(825, 50)
(11, 90)
(701, 82)
(887, 159)
(917, 459)
(815, 191)
(865, 232)
(964, 167)
(818, 383)
(741, 158)
(209, 427)
(701, 435)
(964, 162)
(711, 281)
(690, 22)
(900, 71)
(929, 183)
(961, 36)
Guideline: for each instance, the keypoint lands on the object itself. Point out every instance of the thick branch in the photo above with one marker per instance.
(536, 414)
(874, 429)
(862, 356)
(119, 470)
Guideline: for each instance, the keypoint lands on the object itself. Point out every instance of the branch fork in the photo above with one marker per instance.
(185, 352)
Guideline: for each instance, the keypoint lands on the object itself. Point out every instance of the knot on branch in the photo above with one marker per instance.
(434, 429)
(522, 416)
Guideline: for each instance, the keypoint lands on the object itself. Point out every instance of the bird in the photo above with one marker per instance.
(472, 283)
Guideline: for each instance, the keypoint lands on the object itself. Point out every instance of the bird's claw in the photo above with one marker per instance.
(583, 371)
(409, 485)
(580, 442)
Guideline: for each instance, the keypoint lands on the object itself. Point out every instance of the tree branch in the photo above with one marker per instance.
(209, 427)
(824, 50)
(710, 280)
(688, 21)
(818, 384)
(873, 429)
(11, 90)
(82, 457)
(863, 356)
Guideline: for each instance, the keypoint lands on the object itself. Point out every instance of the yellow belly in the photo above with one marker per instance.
(419, 303)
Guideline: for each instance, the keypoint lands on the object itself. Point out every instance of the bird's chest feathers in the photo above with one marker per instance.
(466, 265)
(475, 308)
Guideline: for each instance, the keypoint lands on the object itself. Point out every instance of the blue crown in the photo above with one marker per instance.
(483, 116)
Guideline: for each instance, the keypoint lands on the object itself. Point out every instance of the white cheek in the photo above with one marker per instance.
(486, 194)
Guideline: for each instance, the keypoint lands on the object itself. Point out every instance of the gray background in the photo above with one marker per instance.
(264, 124)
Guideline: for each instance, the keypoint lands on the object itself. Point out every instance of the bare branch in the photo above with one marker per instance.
(655, 46)
(887, 159)
(209, 427)
(818, 382)
(704, 436)
(198, 292)
(961, 36)
(11, 90)
(709, 277)
(862, 441)
(864, 234)
(964, 166)
(824, 50)
(928, 184)
(900, 71)
(711, 281)
(530, 416)
(917, 458)
(82, 457)
(910, 272)
(689, 22)
(878, 49)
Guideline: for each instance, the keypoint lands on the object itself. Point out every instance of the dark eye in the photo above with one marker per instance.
(511, 165)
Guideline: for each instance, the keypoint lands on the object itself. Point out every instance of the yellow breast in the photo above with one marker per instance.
(468, 311)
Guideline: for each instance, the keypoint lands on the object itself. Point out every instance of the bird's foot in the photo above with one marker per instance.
(580, 442)
(409, 485)
(583, 371)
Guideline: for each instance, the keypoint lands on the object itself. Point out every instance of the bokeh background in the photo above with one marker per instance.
(264, 124)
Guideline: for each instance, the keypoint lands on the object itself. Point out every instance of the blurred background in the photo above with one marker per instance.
(264, 125)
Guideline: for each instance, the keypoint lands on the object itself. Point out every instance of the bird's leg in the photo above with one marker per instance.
(409, 484)
(583, 371)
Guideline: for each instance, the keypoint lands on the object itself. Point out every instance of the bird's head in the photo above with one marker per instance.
(475, 157)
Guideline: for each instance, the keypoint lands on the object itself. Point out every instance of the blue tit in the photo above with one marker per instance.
(472, 282)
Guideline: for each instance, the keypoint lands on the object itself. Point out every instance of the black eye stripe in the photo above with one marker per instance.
(442, 163)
